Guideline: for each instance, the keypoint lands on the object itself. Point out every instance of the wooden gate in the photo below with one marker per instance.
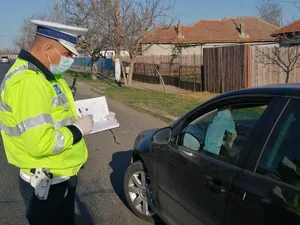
(225, 68)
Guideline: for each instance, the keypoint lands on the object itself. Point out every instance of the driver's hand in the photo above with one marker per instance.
(229, 140)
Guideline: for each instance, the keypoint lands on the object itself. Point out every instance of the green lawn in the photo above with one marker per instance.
(172, 104)
(159, 102)
(147, 100)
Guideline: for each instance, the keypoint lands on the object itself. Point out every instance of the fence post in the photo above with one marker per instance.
(194, 72)
(161, 78)
(222, 71)
(145, 78)
(179, 71)
(247, 70)
(156, 67)
(202, 81)
(243, 53)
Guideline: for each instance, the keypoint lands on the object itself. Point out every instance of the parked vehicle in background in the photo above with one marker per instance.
(4, 59)
(234, 160)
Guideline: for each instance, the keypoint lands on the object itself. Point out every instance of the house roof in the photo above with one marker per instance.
(291, 28)
(215, 31)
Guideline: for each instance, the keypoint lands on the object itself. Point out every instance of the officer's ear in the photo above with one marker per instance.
(48, 50)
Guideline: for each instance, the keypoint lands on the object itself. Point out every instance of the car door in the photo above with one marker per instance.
(267, 192)
(194, 179)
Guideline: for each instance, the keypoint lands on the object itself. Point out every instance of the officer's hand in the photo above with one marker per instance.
(111, 116)
(85, 124)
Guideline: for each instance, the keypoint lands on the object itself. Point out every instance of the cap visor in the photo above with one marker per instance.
(70, 48)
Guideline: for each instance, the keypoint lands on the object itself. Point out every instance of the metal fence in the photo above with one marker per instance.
(180, 71)
(85, 63)
(220, 69)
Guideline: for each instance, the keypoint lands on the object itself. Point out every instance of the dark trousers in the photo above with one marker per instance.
(58, 209)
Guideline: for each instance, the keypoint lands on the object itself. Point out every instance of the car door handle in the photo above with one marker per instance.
(215, 185)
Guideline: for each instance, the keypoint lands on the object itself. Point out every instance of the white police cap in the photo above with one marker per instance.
(64, 34)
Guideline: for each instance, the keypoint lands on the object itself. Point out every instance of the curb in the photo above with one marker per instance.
(96, 90)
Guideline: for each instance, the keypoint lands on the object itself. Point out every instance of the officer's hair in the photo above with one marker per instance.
(39, 41)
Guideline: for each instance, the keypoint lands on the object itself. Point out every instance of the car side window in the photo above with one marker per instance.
(222, 132)
(280, 159)
(193, 135)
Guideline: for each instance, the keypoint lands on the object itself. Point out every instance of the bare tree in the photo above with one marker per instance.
(115, 24)
(91, 14)
(28, 30)
(285, 59)
(270, 11)
(8, 51)
(135, 20)
(27, 36)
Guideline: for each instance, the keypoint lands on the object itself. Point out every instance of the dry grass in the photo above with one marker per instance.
(170, 104)
(200, 96)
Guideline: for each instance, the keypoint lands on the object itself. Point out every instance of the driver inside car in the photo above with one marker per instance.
(221, 132)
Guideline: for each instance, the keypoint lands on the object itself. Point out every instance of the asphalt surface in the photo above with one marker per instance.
(100, 198)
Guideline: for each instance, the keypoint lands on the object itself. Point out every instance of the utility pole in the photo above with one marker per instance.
(117, 37)
(242, 22)
(56, 11)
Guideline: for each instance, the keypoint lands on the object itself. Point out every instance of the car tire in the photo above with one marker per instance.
(138, 194)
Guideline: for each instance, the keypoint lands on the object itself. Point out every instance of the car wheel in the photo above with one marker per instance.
(138, 192)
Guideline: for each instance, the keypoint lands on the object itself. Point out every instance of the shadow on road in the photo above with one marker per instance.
(119, 163)
(84, 217)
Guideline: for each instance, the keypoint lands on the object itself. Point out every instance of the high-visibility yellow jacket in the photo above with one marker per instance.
(37, 111)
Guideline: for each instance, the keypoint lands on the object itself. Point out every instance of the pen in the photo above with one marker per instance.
(80, 111)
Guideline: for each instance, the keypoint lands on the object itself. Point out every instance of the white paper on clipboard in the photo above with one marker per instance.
(99, 109)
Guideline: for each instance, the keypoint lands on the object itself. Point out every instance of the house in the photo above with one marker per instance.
(289, 34)
(192, 39)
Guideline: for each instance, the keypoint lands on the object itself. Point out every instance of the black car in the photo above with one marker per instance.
(232, 160)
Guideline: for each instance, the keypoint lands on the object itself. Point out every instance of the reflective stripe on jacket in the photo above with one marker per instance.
(34, 113)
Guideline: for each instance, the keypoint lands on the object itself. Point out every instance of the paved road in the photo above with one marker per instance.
(4, 67)
(99, 198)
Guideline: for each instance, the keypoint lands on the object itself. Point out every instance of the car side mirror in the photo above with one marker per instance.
(162, 136)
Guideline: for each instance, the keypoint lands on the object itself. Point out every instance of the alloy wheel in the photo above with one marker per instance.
(140, 193)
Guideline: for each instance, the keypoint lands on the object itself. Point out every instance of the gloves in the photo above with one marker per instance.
(111, 116)
(85, 124)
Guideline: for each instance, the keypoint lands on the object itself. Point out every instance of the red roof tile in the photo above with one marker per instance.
(293, 27)
(215, 31)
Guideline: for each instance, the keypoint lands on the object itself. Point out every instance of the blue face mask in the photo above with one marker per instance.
(64, 64)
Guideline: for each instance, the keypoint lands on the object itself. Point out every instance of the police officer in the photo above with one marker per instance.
(41, 132)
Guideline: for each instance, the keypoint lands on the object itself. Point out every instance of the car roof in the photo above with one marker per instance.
(291, 89)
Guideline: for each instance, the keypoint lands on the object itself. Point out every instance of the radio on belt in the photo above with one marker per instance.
(40, 180)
